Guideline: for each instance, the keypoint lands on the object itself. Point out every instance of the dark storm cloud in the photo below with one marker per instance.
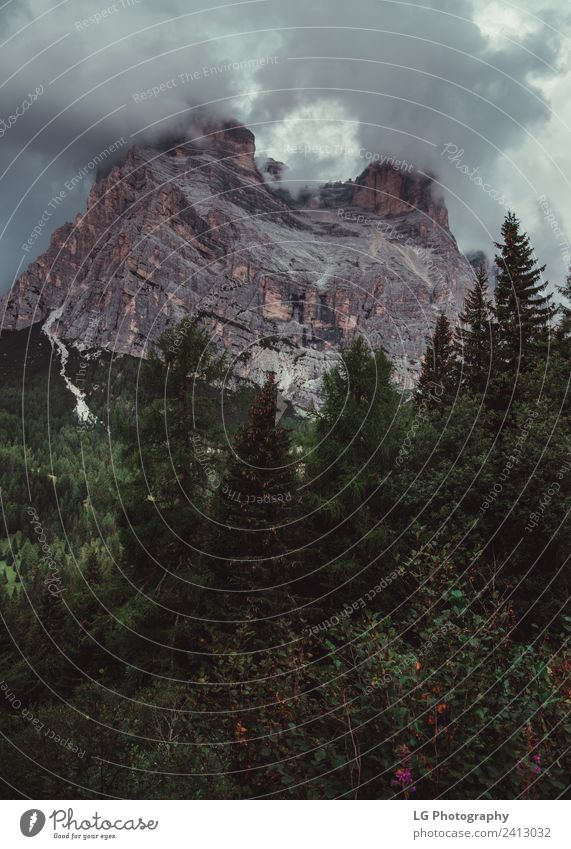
(428, 81)
(408, 80)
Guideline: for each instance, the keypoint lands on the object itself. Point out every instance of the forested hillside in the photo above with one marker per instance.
(203, 598)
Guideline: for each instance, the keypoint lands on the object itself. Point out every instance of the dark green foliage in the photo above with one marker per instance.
(367, 605)
(356, 437)
(436, 381)
(255, 516)
(564, 328)
(523, 310)
(260, 478)
(166, 441)
(475, 335)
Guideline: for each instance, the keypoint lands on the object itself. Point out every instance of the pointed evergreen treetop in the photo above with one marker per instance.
(262, 417)
(523, 309)
(260, 477)
(434, 383)
(474, 336)
(256, 503)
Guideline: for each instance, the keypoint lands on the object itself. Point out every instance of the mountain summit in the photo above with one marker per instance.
(192, 228)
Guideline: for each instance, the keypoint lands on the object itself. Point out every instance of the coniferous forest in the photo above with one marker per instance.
(206, 597)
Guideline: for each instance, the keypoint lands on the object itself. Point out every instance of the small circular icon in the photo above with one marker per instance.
(32, 822)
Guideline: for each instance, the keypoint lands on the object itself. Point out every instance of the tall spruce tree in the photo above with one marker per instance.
(475, 334)
(164, 492)
(165, 452)
(523, 308)
(356, 434)
(354, 430)
(436, 379)
(257, 495)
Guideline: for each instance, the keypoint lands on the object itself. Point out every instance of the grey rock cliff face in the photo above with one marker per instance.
(195, 230)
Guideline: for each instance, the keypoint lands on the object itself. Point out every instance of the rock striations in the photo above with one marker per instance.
(194, 229)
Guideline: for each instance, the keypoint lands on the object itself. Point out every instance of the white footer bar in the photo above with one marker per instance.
(286, 825)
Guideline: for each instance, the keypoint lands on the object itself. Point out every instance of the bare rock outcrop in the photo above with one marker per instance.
(188, 229)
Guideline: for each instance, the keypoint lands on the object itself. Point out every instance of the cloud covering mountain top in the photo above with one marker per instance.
(474, 92)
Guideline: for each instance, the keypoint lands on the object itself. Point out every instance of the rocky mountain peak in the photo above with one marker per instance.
(184, 229)
(389, 191)
(232, 141)
(234, 137)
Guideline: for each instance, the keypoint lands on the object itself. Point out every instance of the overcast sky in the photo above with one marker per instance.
(450, 85)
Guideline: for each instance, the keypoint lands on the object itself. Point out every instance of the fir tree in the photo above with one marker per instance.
(257, 494)
(169, 477)
(474, 336)
(436, 375)
(165, 494)
(355, 439)
(354, 431)
(523, 310)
